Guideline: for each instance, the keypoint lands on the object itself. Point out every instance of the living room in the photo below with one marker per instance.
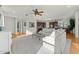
(25, 21)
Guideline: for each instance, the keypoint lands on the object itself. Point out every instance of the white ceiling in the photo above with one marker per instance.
(50, 11)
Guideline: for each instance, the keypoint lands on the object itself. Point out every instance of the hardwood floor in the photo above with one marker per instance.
(17, 34)
(74, 49)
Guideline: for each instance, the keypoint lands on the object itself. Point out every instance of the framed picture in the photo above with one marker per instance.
(31, 24)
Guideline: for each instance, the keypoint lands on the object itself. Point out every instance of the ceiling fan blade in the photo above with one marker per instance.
(41, 12)
(36, 12)
(33, 10)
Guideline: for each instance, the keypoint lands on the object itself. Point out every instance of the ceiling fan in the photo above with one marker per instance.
(36, 12)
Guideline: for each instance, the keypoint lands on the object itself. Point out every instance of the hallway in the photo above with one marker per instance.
(74, 45)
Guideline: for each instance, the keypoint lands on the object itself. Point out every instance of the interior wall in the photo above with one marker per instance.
(0, 20)
(9, 24)
(22, 27)
(48, 13)
(66, 22)
(31, 29)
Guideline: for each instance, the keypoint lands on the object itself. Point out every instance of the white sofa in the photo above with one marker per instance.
(5, 42)
(53, 42)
